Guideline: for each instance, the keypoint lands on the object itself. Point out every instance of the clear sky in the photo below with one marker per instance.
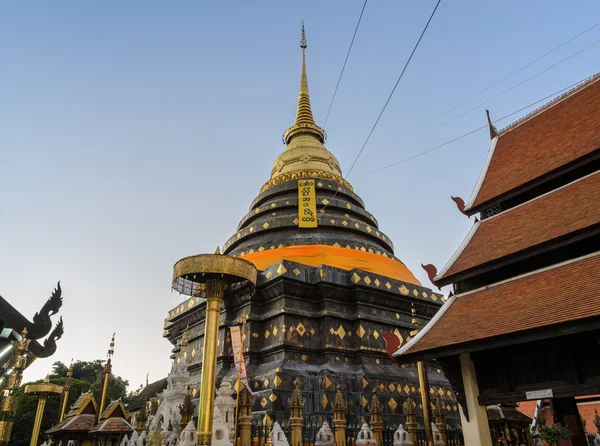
(135, 133)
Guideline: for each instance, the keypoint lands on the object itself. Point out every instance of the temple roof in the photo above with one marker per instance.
(113, 425)
(347, 236)
(85, 403)
(565, 210)
(147, 392)
(75, 423)
(550, 138)
(543, 299)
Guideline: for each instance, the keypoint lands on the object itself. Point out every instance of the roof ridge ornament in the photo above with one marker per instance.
(493, 130)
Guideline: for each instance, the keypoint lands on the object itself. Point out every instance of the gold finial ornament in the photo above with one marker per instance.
(303, 38)
(305, 155)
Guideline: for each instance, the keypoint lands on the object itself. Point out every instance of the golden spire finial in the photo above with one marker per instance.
(304, 123)
(303, 38)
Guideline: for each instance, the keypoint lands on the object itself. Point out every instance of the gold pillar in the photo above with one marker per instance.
(215, 290)
(440, 420)
(424, 389)
(8, 403)
(38, 417)
(375, 409)
(339, 419)
(41, 390)
(105, 379)
(65, 395)
(245, 414)
(410, 423)
(296, 403)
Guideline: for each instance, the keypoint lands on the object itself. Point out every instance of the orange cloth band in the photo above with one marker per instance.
(344, 258)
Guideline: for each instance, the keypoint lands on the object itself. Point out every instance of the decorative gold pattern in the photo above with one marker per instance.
(301, 329)
(355, 278)
(324, 401)
(365, 383)
(277, 381)
(392, 404)
(296, 271)
(234, 267)
(305, 174)
(403, 290)
(360, 332)
(281, 270)
(272, 397)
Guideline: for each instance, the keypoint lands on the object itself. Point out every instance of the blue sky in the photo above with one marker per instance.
(136, 133)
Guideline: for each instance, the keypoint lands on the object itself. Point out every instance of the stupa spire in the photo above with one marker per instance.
(305, 122)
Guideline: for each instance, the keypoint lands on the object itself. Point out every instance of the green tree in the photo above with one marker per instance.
(86, 376)
(554, 434)
(91, 371)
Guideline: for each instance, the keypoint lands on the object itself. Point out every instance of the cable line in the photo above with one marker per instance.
(500, 81)
(468, 133)
(395, 86)
(389, 97)
(345, 62)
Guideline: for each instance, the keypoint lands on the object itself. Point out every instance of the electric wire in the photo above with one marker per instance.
(514, 86)
(395, 86)
(496, 83)
(464, 135)
(345, 62)
(389, 97)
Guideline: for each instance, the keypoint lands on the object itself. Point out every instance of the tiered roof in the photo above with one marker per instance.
(564, 293)
(558, 134)
(531, 265)
(563, 211)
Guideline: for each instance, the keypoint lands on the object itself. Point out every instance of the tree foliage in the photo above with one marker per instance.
(554, 434)
(86, 376)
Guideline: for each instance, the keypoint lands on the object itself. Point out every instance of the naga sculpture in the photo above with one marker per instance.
(41, 325)
(49, 347)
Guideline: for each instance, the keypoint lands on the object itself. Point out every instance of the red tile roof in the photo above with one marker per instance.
(563, 211)
(110, 425)
(563, 131)
(76, 423)
(547, 297)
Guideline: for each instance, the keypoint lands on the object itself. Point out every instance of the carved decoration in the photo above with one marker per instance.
(460, 205)
(431, 271)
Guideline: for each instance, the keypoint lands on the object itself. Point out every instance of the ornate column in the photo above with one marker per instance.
(42, 390)
(215, 291)
(64, 399)
(245, 415)
(376, 421)
(410, 423)
(39, 413)
(440, 420)
(14, 375)
(296, 404)
(210, 274)
(339, 418)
